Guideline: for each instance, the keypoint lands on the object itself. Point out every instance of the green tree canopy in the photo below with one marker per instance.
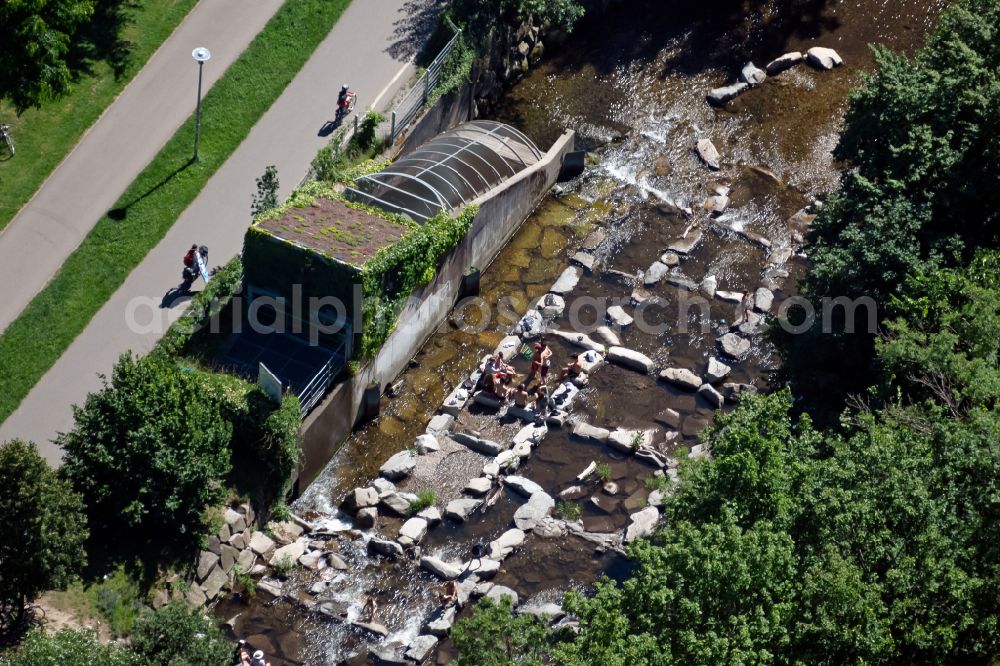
(43, 530)
(495, 636)
(68, 647)
(149, 451)
(176, 634)
(35, 40)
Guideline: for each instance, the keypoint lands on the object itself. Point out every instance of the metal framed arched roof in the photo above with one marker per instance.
(448, 171)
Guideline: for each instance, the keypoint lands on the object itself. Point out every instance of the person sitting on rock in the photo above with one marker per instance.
(573, 368)
(496, 364)
(521, 396)
(449, 592)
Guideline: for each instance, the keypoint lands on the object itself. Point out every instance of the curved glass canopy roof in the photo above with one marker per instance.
(449, 171)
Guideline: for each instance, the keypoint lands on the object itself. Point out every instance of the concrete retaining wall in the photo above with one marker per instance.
(501, 212)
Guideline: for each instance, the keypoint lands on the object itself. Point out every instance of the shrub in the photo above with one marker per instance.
(425, 498)
(569, 510)
(495, 636)
(604, 471)
(68, 647)
(176, 634)
(117, 599)
(283, 567)
(43, 529)
(148, 452)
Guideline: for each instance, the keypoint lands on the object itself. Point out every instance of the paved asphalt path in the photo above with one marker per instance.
(370, 48)
(119, 145)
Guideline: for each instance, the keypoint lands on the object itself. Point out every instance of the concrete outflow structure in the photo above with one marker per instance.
(448, 172)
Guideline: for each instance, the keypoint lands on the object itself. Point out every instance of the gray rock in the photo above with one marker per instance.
(399, 466)
(206, 562)
(823, 58)
(779, 256)
(708, 285)
(217, 578)
(617, 316)
(479, 486)
(213, 543)
(361, 498)
(237, 521)
(313, 561)
(440, 424)
(594, 239)
(733, 345)
(717, 370)
(245, 560)
(716, 204)
(441, 621)
(682, 282)
(708, 392)
(385, 547)
(671, 259)
(627, 441)
(412, 531)
(460, 509)
(440, 568)
(396, 504)
(587, 431)
(383, 486)
(723, 94)
(366, 518)
(491, 469)
(567, 281)
(734, 392)
(708, 153)
(431, 514)
(650, 456)
(292, 551)
(482, 568)
(610, 488)
(681, 377)
(553, 612)
(631, 359)
(227, 558)
(537, 507)
(642, 524)
(421, 648)
(336, 561)
(752, 74)
(687, 243)
(783, 62)
(572, 492)
(522, 486)
(236, 541)
(484, 446)
(532, 325)
(729, 296)
(504, 544)
(497, 592)
(608, 336)
(580, 340)
(584, 260)
(195, 597)
(655, 273)
(551, 305)
(752, 323)
(763, 299)
(427, 443)
(670, 417)
(390, 654)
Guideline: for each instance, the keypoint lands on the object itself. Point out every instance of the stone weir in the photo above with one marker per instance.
(502, 210)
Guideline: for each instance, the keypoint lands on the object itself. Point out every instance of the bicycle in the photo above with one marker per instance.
(7, 138)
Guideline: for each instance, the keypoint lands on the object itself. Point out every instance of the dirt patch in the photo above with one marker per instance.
(336, 230)
(62, 612)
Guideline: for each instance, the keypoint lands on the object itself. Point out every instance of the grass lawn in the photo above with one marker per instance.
(157, 197)
(43, 137)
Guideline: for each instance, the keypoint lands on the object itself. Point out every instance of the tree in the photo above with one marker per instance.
(494, 636)
(922, 141)
(479, 17)
(35, 39)
(148, 451)
(68, 647)
(44, 530)
(267, 192)
(176, 634)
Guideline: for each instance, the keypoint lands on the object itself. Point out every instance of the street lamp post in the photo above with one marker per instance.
(201, 56)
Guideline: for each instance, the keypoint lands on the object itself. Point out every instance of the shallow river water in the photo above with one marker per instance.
(633, 86)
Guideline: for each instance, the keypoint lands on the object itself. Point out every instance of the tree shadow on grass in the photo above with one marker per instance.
(121, 212)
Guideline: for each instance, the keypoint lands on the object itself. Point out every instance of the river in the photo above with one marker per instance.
(632, 84)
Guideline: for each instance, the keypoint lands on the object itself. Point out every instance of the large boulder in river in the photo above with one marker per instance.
(398, 466)
(783, 62)
(823, 58)
(719, 96)
(534, 511)
(631, 359)
(752, 75)
(532, 325)
(734, 345)
(708, 153)
(681, 377)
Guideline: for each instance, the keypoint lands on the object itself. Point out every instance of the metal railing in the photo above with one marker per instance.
(408, 107)
(317, 387)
